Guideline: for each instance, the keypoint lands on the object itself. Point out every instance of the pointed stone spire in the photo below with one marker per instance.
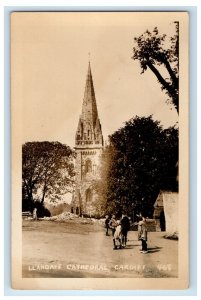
(89, 128)
(89, 107)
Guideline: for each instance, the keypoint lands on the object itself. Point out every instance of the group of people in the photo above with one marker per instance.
(120, 228)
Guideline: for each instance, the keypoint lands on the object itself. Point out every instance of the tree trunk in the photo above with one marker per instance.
(28, 191)
(175, 80)
(169, 88)
(44, 192)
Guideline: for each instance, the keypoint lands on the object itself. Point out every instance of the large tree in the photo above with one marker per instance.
(140, 161)
(159, 53)
(47, 171)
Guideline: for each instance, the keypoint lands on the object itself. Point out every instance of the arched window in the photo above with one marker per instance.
(88, 166)
(94, 169)
(88, 195)
(89, 134)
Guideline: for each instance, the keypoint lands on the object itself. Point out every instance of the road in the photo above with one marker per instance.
(63, 250)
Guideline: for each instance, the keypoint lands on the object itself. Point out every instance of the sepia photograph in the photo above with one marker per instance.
(100, 159)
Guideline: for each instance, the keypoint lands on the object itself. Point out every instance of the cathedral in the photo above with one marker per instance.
(88, 148)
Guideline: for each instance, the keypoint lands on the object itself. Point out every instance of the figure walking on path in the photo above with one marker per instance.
(107, 221)
(125, 227)
(113, 224)
(143, 234)
(35, 214)
(117, 239)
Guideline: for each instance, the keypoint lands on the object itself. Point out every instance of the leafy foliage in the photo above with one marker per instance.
(47, 171)
(140, 161)
(154, 51)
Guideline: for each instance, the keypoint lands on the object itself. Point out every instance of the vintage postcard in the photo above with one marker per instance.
(100, 154)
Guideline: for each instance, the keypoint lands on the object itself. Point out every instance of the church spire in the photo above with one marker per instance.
(89, 107)
(89, 128)
(88, 149)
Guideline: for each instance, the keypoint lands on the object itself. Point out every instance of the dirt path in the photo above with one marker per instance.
(53, 249)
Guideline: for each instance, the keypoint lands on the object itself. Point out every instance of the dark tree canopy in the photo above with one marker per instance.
(155, 51)
(47, 171)
(139, 162)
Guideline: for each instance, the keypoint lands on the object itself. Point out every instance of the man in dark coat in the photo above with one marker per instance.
(125, 225)
(107, 221)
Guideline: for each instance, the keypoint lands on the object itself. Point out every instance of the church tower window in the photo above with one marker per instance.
(88, 166)
(88, 195)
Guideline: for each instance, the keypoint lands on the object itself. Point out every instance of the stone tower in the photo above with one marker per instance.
(88, 148)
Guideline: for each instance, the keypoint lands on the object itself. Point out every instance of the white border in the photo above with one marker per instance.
(85, 4)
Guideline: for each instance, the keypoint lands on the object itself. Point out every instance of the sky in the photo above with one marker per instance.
(49, 62)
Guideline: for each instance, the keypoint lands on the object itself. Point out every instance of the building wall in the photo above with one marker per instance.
(166, 206)
(170, 202)
(86, 176)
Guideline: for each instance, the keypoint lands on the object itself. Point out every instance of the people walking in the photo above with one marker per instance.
(117, 238)
(107, 221)
(143, 234)
(35, 214)
(139, 218)
(113, 224)
(125, 225)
